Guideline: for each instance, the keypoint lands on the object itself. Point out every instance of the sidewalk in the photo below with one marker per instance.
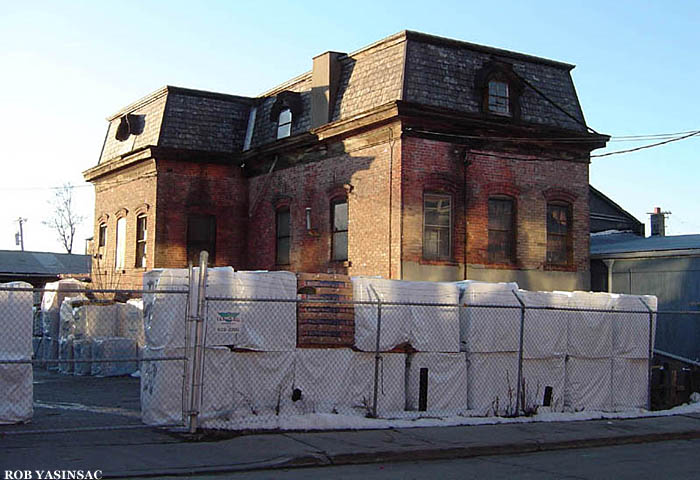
(143, 452)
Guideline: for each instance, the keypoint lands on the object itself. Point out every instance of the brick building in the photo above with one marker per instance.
(416, 157)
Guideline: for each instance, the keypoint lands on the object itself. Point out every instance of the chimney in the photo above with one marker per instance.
(658, 222)
(325, 78)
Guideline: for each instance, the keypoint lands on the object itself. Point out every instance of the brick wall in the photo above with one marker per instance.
(126, 193)
(438, 167)
(197, 188)
(362, 162)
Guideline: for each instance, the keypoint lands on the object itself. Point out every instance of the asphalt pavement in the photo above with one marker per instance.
(134, 452)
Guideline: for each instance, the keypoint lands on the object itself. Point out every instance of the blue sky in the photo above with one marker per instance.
(68, 65)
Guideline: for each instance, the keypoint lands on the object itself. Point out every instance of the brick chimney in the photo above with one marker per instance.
(325, 78)
(658, 222)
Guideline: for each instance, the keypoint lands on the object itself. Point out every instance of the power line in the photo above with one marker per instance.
(665, 137)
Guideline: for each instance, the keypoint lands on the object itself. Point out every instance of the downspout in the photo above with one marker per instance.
(609, 264)
(466, 164)
(391, 189)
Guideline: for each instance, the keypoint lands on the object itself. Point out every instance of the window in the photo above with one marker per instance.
(501, 230)
(284, 124)
(339, 224)
(141, 241)
(284, 236)
(558, 234)
(499, 100)
(120, 252)
(201, 236)
(102, 235)
(437, 225)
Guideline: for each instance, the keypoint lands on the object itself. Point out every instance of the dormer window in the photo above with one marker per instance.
(284, 124)
(500, 89)
(499, 101)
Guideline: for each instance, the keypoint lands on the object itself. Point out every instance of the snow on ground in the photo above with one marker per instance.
(330, 421)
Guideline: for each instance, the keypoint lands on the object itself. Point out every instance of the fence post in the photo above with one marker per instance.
(519, 389)
(377, 357)
(650, 351)
(197, 368)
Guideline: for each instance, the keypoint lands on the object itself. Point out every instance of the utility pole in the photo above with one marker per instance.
(19, 240)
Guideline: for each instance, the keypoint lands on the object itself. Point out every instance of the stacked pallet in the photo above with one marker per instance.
(325, 316)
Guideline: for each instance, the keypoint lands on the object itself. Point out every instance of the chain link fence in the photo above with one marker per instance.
(186, 353)
(74, 358)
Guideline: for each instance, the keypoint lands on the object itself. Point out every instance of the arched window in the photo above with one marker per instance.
(437, 227)
(283, 235)
(502, 240)
(141, 229)
(284, 124)
(559, 233)
(120, 251)
(339, 229)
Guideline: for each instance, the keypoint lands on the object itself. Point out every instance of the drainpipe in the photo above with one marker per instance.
(467, 162)
(609, 264)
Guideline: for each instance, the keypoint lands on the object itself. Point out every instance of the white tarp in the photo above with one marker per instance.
(164, 384)
(540, 373)
(67, 327)
(96, 320)
(589, 384)
(165, 314)
(265, 326)
(447, 382)
(483, 328)
(16, 401)
(82, 354)
(54, 294)
(261, 326)
(114, 348)
(545, 331)
(630, 380)
(342, 381)
(16, 320)
(16, 380)
(65, 352)
(262, 382)
(130, 323)
(493, 379)
(426, 328)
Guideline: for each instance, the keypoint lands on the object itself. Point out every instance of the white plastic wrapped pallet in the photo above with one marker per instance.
(165, 386)
(16, 380)
(165, 314)
(545, 329)
(251, 325)
(447, 382)
(114, 348)
(130, 323)
(54, 294)
(342, 381)
(16, 401)
(630, 380)
(492, 383)
(16, 321)
(485, 328)
(96, 320)
(82, 354)
(426, 328)
(262, 383)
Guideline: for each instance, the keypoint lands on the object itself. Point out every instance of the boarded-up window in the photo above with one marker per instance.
(437, 225)
(501, 231)
(339, 225)
(141, 224)
(559, 251)
(201, 236)
(120, 252)
(284, 237)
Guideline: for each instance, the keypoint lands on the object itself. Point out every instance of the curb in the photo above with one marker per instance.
(421, 454)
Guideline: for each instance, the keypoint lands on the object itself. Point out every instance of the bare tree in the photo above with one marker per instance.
(65, 219)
